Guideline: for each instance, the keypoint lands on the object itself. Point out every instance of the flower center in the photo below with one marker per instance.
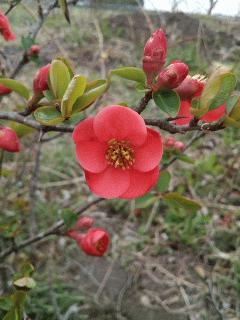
(120, 154)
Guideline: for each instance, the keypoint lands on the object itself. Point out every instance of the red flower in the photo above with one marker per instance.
(119, 154)
(9, 140)
(186, 91)
(172, 76)
(4, 90)
(95, 242)
(155, 52)
(34, 50)
(5, 29)
(40, 82)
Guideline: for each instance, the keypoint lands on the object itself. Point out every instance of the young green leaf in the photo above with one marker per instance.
(59, 78)
(74, 90)
(145, 201)
(93, 91)
(130, 73)
(168, 101)
(48, 116)
(163, 181)
(16, 86)
(179, 200)
(25, 283)
(230, 122)
(69, 218)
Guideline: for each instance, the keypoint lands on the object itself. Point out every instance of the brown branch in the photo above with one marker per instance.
(53, 230)
(144, 102)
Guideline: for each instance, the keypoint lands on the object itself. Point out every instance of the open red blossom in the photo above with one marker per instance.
(197, 84)
(40, 82)
(9, 140)
(119, 154)
(5, 28)
(154, 55)
(172, 76)
(4, 90)
(95, 242)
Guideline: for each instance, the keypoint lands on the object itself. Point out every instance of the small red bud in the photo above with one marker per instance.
(5, 28)
(4, 90)
(9, 140)
(170, 142)
(190, 87)
(179, 146)
(71, 233)
(40, 82)
(154, 55)
(84, 223)
(172, 76)
(34, 50)
(95, 242)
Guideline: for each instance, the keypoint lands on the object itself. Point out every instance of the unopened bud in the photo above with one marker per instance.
(40, 82)
(9, 140)
(190, 88)
(34, 50)
(4, 90)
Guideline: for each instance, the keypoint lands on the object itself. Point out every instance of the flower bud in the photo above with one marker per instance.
(172, 76)
(170, 142)
(4, 90)
(71, 233)
(84, 223)
(179, 146)
(154, 55)
(40, 82)
(190, 87)
(9, 140)
(5, 29)
(95, 242)
(34, 50)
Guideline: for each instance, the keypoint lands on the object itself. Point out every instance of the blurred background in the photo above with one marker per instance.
(165, 262)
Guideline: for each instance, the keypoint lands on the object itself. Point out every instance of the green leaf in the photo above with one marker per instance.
(25, 283)
(48, 116)
(59, 78)
(168, 101)
(64, 6)
(75, 118)
(185, 158)
(130, 73)
(163, 181)
(74, 90)
(229, 122)
(27, 42)
(145, 201)
(69, 218)
(12, 314)
(231, 102)
(179, 200)
(140, 87)
(93, 91)
(16, 86)
(48, 95)
(20, 129)
(235, 111)
(68, 64)
(6, 303)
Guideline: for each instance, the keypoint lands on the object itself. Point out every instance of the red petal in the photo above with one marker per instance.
(148, 156)
(215, 114)
(120, 123)
(141, 183)
(84, 131)
(91, 155)
(184, 111)
(108, 184)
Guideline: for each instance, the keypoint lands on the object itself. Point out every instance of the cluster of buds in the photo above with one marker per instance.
(94, 241)
(154, 58)
(5, 28)
(9, 140)
(174, 145)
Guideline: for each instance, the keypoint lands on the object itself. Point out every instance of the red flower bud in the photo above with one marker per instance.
(170, 142)
(84, 223)
(5, 29)
(95, 242)
(154, 55)
(34, 50)
(4, 90)
(172, 76)
(71, 233)
(9, 140)
(179, 146)
(190, 87)
(40, 82)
